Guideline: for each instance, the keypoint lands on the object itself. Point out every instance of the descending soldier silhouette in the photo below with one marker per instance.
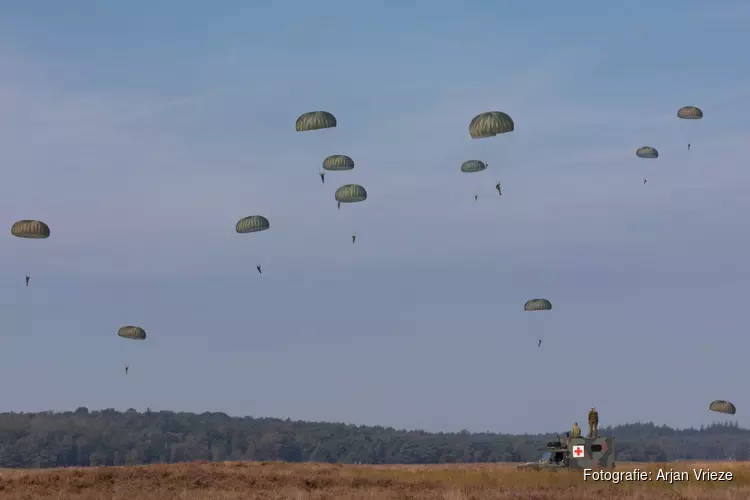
(258, 268)
(476, 197)
(322, 177)
(28, 277)
(644, 180)
(498, 187)
(540, 343)
(688, 147)
(339, 207)
(126, 369)
(354, 237)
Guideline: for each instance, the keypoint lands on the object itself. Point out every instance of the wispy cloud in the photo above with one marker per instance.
(149, 111)
(730, 12)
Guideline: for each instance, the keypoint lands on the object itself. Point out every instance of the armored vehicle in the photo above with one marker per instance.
(576, 453)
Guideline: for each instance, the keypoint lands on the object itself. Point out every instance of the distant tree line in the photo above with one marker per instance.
(109, 437)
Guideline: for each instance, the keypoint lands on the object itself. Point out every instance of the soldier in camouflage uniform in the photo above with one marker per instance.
(593, 422)
(575, 432)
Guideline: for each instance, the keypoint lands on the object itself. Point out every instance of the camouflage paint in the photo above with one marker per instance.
(350, 193)
(338, 162)
(471, 166)
(537, 305)
(597, 453)
(690, 113)
(647, 152)
(315, 120)
(252, 224)
(132, 332)
(34, 229)
(723, 407)
(490, 124)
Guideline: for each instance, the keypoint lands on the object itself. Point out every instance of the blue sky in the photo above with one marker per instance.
(142, 133)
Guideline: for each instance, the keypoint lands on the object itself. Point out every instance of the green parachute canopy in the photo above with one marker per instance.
(338, 162)
(647, 152)
(315, 120)
(722, 406)
(490, 124)
(690, 113)
(34, 229)
(351, 193)
(473, 166)
(132, 332)
(537, 305)
(252, 224)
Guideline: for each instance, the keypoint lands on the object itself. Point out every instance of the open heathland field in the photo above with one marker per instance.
(277, 481)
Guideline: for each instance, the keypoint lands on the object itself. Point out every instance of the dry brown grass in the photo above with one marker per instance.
(277, 481)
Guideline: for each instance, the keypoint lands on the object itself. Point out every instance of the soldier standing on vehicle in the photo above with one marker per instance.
(593, 422)
(575, 432)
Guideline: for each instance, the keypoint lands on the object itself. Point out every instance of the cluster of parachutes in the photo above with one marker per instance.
(484, 125)
(318, 120)
(348, 193)
(650, 152)
(684, 113)
(493, 123)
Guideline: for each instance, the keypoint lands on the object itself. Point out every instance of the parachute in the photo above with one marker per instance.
(537, 305)
(132, 332)
(33, 229)
(338, 162)
(351, 193)
(315, 120)
(473, 166)
(647, 152)
(252, 224)
(490, 124)
(686, 114)
(689, 113)
(722, 406)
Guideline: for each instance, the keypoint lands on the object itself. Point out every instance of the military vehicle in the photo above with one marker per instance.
(576, 453)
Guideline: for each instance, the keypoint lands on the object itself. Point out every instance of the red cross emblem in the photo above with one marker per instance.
(578, 451)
